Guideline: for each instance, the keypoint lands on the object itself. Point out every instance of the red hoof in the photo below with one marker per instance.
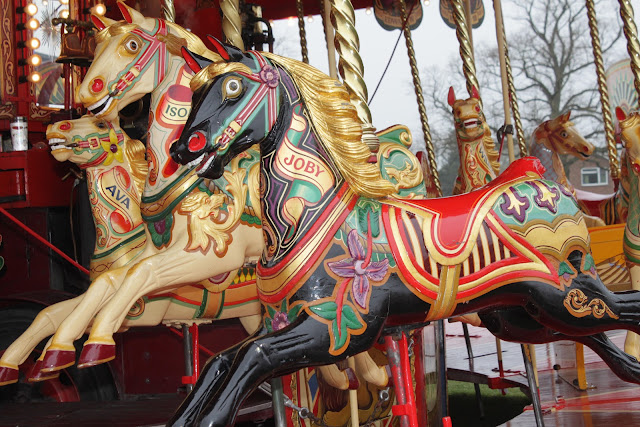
(354, 383)
(95, 354)
(8, 375)
(55, 360)
(36, 374)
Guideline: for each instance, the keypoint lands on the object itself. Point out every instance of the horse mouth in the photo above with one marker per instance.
(471, 123)
(102, 106)
(58, 144)
(203, 162)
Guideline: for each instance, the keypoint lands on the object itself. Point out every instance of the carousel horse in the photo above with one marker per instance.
(559, 136)
(630, 135)
(479, 160)
(116, 168)
(352, 264)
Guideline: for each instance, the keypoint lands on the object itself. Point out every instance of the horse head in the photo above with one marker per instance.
(468, 117)
(630, 134)
(87, 141)
(132, 59)
(560, 136)
(234, 106)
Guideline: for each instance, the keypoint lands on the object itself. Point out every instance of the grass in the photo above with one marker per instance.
(498, 409)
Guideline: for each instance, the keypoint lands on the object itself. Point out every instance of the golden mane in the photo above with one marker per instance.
(490, 149)
(336, 122)
(134, 154)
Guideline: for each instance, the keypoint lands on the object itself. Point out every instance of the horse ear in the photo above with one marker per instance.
(474, 93)
(227, 51)
(566, 116)
(101, 22)
(620, 114)
(193, 60)
(452, 96)
(129, 14)
(218, 47)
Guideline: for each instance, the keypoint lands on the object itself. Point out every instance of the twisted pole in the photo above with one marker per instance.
(614, 166)
(351, 67)
(497, 8)
(302, 31)
(466, 49)
(231, 22)
(325, 7)
(631, 34)
(426, 131)
(513, 101)
(169, 11)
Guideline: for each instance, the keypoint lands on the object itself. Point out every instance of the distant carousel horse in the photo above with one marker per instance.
(116, 167)
(479, 160)
(558, 136)
(355, 264)
(630, 134)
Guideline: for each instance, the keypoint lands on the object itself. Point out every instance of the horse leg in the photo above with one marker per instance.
(516, 325)
(165, 270)
(44, 325)
(632, 342)
(302, 344)
(61, 353)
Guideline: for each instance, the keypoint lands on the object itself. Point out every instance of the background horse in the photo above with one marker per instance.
(559, 136)
(353, 264)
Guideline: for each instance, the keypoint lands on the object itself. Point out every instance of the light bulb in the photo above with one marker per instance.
(64, 14)
(310, 19)
(99, 9)
(368, 11)
(31, 9)
(34, 60)
(34, 77)
(33, 24)
(64, 1)
(33, 43)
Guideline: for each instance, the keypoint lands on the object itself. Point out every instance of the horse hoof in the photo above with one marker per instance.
(354, 383)
(8, 375)
(36, 374)
(95, 354)
(55, 360)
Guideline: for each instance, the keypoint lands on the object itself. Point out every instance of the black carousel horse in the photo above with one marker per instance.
(344, 263)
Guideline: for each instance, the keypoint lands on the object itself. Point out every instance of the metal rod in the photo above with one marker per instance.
(188, 354)
(329, 36)
(497, 7)
(277, 398)
(302, 31)
(441, 367)
(533, 386)
(417, 85)
(631, 34)
(466, 49)
(231, 22)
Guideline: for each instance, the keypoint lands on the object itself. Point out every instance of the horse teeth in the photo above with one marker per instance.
(58, 147)
(101, 106)
(206, 165)
(196, 161)
(56, 141)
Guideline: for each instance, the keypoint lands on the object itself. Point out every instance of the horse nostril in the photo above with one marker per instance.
(97, 85)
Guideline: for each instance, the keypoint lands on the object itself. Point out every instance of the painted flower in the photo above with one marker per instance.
(112, 148)
(360, 269)
(277, 319)
(161, 230)
(270, 76)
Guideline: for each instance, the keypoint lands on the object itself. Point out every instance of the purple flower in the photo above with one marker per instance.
(270, 76)
(280, 320)
(355, 267)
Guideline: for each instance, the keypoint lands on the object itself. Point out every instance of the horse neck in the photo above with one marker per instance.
(554, 170)
(170, 105)
(475, 166)
(115, 205)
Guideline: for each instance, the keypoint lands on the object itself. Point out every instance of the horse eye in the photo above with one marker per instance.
(564, 134)
(101, 125)
(231, 88)
(132, 45)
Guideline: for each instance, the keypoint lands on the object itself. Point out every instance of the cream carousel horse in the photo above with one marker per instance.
(479, 160)
(630, 134)
(559, 136)
(115, 168)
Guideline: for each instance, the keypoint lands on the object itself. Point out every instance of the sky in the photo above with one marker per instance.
(434, 43)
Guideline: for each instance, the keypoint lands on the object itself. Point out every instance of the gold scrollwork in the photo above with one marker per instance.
(577, 304)
(137, 308)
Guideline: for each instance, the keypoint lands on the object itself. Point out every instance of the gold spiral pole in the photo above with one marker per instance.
(302, 31)
(351, 68)
(466, 49)
(426, 131)
(497, 8)
(614, 167)
(169, 11)
(513, 101)
(631, 33)
(232, 23)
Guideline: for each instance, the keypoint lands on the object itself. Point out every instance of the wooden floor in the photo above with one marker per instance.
(608, 401)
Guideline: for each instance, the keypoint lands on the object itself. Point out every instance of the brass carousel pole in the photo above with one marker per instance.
(614, 166)
(466, 49)
(231, 22)
(631, 33)
(351, 68)
(513, 99)
(302, 31)
(497, 8)
(169, 11)
(426, 131)
(329, 36)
